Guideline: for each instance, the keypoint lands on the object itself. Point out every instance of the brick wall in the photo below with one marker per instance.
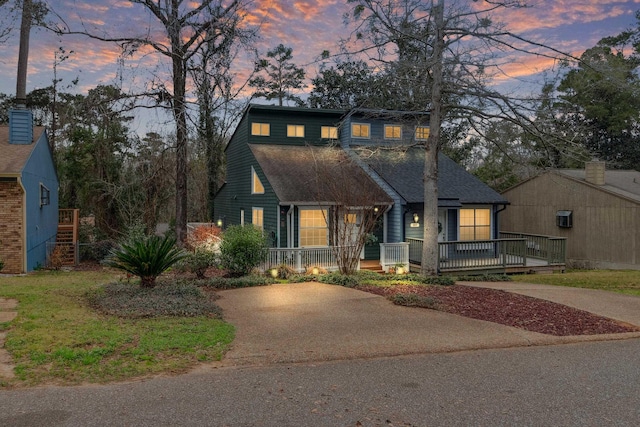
(11, 227)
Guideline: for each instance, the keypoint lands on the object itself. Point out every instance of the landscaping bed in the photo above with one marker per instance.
(502, 307)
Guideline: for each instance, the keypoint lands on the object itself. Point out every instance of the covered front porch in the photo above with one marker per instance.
(511, 253)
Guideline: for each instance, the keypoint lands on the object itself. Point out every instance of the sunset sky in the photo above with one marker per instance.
(309, 26)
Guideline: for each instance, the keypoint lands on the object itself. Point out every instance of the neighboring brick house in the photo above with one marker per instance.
(28, 194)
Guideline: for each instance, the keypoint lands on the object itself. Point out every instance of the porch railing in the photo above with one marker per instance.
(551, 249)
(392, 254)
(300, 259)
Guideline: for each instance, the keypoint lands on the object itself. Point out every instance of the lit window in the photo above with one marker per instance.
(422, 133)
(329, 132)
(313, 227)
(295, 131)
(392, 132)
(45, 196)
(475, 224)
(350, 218)
(360, 130)
(257, 217)
(256, 184)
(260, 129)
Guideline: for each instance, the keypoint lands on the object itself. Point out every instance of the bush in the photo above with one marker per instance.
(198, 262)
(433, 280)
(236, 282)
(283, 271)
(95, 251)
(414, 300)
(336, 278)
(146, 257)
(204, 237)
(167, 299)
(242, 249)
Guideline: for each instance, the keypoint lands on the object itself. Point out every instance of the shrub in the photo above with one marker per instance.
(433, 280)
(284, 271)
(414, 300)
(146, 257)
(95, 251)
(204, 238)
(198, 262)
(236, 282)
(336, 278)
(169, 298)
(242, 249)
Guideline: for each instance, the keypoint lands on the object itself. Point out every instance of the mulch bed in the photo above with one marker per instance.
(510, 309)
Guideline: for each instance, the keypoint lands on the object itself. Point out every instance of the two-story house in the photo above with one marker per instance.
(271, 180)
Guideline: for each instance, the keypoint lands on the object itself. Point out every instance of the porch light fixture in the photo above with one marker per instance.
(416, 218)
(219, 222)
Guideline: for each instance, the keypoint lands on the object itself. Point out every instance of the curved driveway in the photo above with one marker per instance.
(308, 322)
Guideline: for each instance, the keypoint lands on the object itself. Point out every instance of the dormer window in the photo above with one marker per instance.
(422, 133)
(260, 129)
(45, 197)
(392, 132)
(360, 130)
(295, 131)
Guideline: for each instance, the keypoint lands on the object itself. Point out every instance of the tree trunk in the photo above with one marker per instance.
(429, 259)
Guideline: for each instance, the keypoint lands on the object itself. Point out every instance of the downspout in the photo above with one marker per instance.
(504, 207)
(24, 226)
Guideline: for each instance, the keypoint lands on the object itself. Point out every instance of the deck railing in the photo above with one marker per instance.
(393, 254)
(551, 249)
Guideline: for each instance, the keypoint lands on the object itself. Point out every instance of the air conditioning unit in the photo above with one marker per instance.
(564, 219)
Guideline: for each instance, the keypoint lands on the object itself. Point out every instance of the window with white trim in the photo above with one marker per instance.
(422, 133)
(329, 132)
(313, 227)
(295, 131)
(256, 184)
(360, 130)
(257, 217)
(260, 129)
(45, 195)
(475, 224)
(392, 132)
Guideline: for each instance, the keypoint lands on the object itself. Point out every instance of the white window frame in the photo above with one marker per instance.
(324, 213)
(295, 131)
(329, 132)
(257, 217)
(254, 178)
(260, 129)
(361, 125)
(390, 126)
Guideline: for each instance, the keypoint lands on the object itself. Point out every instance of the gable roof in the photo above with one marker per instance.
(290, 171)
(403, 170)
(13, 157)
(624, 183)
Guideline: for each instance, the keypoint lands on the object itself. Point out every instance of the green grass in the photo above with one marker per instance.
(622, 281)
(58, 339)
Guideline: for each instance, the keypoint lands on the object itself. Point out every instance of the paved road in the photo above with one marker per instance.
(583, 384)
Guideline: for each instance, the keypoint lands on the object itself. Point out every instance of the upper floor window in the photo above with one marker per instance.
(256, 184)
(360, 130)
(422, 133)
(329, 132)
(295, 131)
(260, 129)
(392, 132)
(475, 224)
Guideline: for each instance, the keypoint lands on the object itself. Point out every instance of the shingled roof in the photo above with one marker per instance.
(624, 183)
(13, 157)
(303, 174)
(403, 170)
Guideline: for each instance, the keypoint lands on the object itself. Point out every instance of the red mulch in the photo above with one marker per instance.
(510, 309)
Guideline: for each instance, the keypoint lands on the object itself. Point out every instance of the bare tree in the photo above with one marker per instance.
(462, 49)
(187, 28)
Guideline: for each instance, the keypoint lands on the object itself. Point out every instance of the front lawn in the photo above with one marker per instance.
(622, 281)
(58, 338)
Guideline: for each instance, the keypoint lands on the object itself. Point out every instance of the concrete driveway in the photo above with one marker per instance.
(309, 322)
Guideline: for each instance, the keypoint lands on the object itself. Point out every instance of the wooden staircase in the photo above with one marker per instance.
(371, 265)
(66, 249)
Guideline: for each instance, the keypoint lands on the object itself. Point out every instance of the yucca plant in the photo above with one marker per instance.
(146, 257)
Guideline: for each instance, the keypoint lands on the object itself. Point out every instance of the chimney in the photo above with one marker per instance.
(594, 172)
